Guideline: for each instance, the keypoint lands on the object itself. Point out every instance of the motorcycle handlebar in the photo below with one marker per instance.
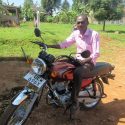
(41, 44)
(71, 59)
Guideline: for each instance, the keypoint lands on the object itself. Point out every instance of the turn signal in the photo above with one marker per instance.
(29, 61)
(54, 74)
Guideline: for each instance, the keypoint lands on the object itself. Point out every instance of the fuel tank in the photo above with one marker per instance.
(62, 70)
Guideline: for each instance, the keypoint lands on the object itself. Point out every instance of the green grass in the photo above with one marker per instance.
(116, 32)
(12, 39)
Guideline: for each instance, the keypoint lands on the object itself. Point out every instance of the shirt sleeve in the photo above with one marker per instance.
(95, 48)
(68, 42)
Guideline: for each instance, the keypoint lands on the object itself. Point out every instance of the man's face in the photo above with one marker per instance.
(82, 23)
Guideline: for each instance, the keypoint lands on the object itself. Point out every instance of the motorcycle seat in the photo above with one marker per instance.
(101, 68)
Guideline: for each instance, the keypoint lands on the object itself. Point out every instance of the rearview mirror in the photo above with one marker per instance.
(37, 32)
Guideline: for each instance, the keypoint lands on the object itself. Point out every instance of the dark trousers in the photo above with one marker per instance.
(80, 73)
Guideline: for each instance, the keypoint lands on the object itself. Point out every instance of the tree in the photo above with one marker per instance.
(81, 6)
(86, 1)
(28, 9)
(106, 10)
(28, 3)
(50, 5)
(65, 5)
(0, 2)
(76, 2)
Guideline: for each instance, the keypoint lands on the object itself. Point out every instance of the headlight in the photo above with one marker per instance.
(39, 66)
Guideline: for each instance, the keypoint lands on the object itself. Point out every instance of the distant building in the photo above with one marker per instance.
(9, 15)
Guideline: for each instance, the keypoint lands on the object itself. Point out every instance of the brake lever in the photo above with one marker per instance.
(41, 44)
(38, 43)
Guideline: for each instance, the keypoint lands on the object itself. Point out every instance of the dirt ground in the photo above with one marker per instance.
(111, 110)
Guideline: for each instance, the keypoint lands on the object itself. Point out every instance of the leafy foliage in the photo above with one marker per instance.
(107, 10)
(1, 2)
(67, 16)
(65, 5)
(50, 5)
(27, 9)
(81, 6)
(78, 7)
(49, 19)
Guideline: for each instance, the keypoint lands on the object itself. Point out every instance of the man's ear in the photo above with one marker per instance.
(87, 22)
(75, 26)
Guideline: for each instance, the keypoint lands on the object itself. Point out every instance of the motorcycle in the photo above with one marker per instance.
(55, 75)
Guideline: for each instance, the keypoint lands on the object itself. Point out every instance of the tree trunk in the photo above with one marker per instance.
(104, 25)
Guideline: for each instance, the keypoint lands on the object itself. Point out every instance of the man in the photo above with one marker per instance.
(85, 39)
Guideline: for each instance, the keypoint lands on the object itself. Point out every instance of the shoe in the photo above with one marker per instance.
(74, 110)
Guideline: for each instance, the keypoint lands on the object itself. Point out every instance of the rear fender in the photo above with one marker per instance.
(105, 79)
(107, 76)
(20, 98)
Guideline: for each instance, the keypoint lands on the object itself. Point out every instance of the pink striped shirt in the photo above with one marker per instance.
(87, 41)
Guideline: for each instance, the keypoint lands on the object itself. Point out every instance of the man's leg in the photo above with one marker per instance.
(80, 73)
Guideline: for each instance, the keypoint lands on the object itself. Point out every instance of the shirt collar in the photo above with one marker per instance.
(87, 32)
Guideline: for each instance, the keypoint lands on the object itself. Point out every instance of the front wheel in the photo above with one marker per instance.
(17, 115)
(88, 102)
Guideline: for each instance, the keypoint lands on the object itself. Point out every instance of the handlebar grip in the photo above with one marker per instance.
(41, 44)
(38, 43)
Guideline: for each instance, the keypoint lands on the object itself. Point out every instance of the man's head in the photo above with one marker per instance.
(82, 22)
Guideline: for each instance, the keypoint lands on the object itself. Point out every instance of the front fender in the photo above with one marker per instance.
(20, 98)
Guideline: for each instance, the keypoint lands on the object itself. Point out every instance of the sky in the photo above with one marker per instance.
(20, 2)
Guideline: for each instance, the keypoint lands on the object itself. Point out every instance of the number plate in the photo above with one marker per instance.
(34, 79)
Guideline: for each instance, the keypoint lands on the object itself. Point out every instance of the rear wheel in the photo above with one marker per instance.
(90, 102)
(16, 115)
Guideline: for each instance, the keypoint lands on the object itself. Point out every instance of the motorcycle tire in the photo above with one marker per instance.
(15, 114)
(89, 103)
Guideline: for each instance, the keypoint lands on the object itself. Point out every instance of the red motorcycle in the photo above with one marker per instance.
(55, 75)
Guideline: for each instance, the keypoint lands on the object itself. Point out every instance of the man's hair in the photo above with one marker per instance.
(84, 16)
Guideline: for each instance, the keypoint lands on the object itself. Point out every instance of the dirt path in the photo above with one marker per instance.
(111, 111)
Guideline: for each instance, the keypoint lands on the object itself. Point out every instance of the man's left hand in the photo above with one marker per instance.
(85, 60)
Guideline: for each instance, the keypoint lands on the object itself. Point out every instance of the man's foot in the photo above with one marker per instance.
(74, 110)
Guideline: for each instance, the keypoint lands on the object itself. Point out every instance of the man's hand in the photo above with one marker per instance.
(85, 60)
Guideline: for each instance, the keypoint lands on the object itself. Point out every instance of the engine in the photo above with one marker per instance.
(61, 93)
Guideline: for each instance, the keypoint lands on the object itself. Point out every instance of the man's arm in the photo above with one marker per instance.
(89, 59)
(95, 48)
(68, 42)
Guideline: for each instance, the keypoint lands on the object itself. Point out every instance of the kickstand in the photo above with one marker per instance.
(70, 114)
(66, 109)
